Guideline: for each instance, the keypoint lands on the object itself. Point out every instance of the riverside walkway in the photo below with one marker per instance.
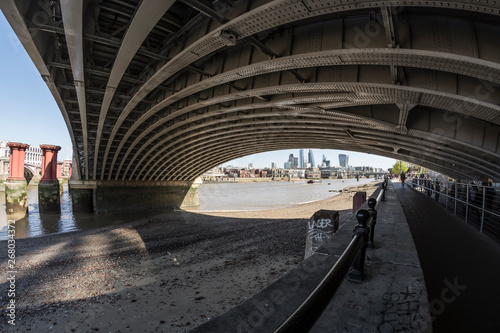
(415, 241)
(461, 266)
(392, 297)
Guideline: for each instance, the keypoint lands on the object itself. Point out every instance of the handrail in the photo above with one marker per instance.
(303, 319)
(462, 193)
(306, 315)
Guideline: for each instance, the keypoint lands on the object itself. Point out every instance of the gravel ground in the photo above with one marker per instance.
(168, 273)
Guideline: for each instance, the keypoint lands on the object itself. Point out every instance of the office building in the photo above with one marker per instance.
(344, 160)
(311, 158)
(301, 159)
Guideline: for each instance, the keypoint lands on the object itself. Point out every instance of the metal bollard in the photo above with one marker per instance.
(371, 208)
(356, 273)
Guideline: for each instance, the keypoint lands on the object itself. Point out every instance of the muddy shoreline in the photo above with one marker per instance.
(167, 273)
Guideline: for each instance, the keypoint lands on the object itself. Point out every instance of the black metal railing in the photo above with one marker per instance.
(350, 263)
(476, 204)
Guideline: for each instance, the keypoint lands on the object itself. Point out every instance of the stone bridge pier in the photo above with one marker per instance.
(49, 197)
(106, 197)
(16, 187)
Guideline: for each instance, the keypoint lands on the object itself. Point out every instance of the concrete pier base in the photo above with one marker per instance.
(16, 198)
(82, 199)
(134, 196)
(191, 199)
(49, 196)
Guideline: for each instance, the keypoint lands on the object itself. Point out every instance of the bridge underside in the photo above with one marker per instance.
(165, 90)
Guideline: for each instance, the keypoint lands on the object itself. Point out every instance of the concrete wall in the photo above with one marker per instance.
(141, 196)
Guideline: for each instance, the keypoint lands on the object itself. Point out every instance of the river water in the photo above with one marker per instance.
(268, 195)
(213, 197)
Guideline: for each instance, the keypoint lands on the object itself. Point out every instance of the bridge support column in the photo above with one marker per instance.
(191, 200)
(49, 195)
(107, 197)
(16, 187)
(82, 196)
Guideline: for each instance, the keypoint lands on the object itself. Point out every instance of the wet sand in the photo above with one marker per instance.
(168, 273)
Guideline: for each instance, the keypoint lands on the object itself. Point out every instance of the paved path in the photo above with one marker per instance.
(461, 266)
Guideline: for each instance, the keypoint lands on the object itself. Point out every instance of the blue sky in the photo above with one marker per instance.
(29, 114)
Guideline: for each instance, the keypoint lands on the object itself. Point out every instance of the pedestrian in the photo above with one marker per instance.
(403, 178)
(490, 196)
(438, 190)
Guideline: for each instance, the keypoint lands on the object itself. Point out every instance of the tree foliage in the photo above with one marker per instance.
(399, 167)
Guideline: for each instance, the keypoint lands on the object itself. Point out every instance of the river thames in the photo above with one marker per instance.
(213, 197)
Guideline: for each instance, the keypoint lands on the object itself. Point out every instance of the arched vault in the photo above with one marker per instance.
(164, 90)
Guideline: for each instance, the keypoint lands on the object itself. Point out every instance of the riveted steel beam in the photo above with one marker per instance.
(255, 21)
(367, 80)
(402, 57)
(145, 18)
(72, 13)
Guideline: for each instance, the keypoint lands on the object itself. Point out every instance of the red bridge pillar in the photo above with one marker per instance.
(49, 162)
(48, 188)
(16, 168)
(16, 187)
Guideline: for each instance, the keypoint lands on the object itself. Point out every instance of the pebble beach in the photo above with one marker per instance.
(167, 273)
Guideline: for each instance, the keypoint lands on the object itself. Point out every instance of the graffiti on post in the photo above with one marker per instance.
(321, 226)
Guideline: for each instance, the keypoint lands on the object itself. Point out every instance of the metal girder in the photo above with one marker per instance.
(101, 40)
(246, 25)
(73, 30)
(403, 115)
(472, 67)
(99, 72)
(376, 132)
(390, 34)
(384, 96)
(196, 85)
(319, 141)
(145, 18)
(215, 121)
(220, 153)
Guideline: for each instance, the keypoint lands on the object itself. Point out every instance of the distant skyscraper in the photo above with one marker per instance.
(273, 165)
(325, 163)
(301, 159)
(344, 160)
(311, 158)
(292, 162)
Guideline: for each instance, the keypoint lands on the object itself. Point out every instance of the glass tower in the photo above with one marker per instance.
(301, 159)
(311, 158)
(344, 160)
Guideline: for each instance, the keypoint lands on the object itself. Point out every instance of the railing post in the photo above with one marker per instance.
(467, 204)
(484, 207)
(371, 208)
(356, 273)
(456, 197)
(447, 193)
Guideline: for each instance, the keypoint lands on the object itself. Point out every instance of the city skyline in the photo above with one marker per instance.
(279, 157)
